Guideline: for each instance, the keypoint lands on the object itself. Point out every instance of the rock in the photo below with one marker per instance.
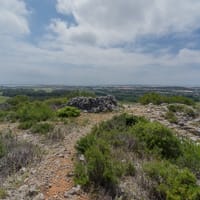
(33, 191)
(82, 158)
(94, 105)
(75, 190)
(23, 188)
(40, 196)
(23, 170)
(70, 174)
(61, 156)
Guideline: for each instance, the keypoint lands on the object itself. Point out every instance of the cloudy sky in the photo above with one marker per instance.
(88, 42)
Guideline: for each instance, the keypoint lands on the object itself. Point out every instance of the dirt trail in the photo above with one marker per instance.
(61, 164)
(52, 178)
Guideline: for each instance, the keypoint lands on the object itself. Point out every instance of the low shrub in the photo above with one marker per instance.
(56, 135)
(170, 182)
(36, 111)
(17, 154)
(112, 148)
(42, 128)
(56, 102)
(3, 115)
(120, 123)
(26, 125)
(2, 148)
(171, 117)
(158, 99)
(17, 100)
(190, 157)
(187, 111)
(158, 139)
(3, 193)
(68, 111)
(101, 169)
(85, 143)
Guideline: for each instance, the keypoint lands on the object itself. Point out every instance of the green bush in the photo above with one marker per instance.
(171, 117)
(35, 111)
(101, 169)
(3, 115)
(26, 125)
(42, 128)
(86, 142)
(68, 111)
(158, 99)
(190, 156)
(158, 139)
(182, 108)
(172, 183)
(154, 98)
(3, 193)
(18, 100)
(121, 122)
(112, 148)
(2, 148)
(56, 101)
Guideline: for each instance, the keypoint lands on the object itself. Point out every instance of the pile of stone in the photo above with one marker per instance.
(94, 105)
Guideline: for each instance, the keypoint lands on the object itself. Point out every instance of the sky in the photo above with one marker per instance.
(97, 42)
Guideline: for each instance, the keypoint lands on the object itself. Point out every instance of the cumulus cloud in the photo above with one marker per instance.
(13, 17)
(89, 51)
(116, 21)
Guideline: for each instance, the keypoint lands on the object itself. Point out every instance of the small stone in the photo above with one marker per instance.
(66, 195)
(23, 170)
(33, 191)
(40, 196)
(82, 158)
(75, 190)
(23, 188)
(61, 156)
(33, 171)
(70, 174)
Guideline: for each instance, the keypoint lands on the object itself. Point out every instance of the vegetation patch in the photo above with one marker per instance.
(187, 111)
(68, 111)
(16, 154)
(3, 193)
(35, 111)
(158, 99)
(110, 151)
(158, 139)
(171, 117)
(42, 128)
(170, 182)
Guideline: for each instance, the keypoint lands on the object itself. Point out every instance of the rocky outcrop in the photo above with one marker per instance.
(94, 105)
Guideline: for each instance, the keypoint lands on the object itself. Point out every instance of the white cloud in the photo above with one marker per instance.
(13, 18)
(83, 53)
(115, 21)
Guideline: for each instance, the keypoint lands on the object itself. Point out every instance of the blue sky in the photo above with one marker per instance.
(100, 42)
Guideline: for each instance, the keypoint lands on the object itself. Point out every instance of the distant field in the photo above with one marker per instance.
(43, 89)
(3, 99)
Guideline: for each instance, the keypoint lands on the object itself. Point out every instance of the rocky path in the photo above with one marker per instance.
(156, 113)
(52, 178)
